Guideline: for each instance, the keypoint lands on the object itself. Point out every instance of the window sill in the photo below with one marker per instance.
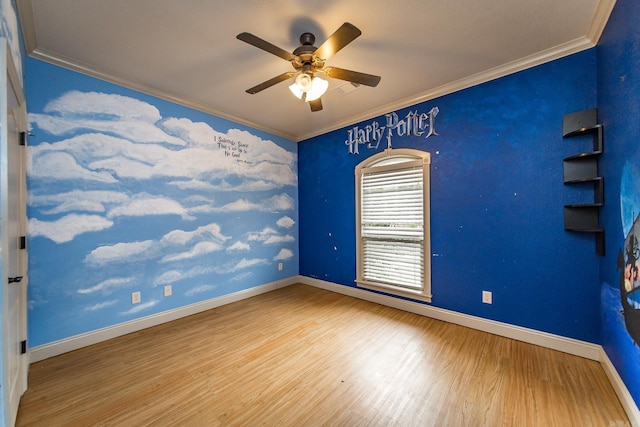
(394, 290)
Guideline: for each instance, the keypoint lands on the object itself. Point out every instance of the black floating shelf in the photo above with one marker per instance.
(583, 168)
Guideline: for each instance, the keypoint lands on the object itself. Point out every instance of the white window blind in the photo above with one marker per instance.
(392, 225)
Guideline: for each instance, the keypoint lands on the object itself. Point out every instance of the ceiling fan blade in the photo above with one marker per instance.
(316, 105)
(264, 85)
(352, 76)
(336, 41)
(266, 46)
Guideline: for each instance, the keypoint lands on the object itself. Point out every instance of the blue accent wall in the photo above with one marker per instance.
(497, 199)
(619, 111)
(127, 192)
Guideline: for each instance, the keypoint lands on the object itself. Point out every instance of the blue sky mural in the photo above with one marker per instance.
(123, 197)
(9, 29)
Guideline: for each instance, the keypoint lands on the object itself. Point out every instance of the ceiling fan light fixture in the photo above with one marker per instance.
(301, 85)
(310, 87)
(318, 88)
(296, 91)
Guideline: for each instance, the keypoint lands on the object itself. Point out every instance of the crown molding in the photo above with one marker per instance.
(598, 23)
(539, 58)
(600, 19)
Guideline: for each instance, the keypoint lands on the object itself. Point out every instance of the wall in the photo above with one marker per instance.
(9, 28)
(619, 109)
(127, 192)
(497, 199)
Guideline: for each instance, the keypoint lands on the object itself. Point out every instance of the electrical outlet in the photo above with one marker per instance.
(279, 266)
(167, 291)
(487, 297)
(135, 297)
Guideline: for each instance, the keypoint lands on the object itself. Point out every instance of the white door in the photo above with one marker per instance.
(12, 230)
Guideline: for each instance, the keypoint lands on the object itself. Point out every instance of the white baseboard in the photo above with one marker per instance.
(621, 390)
(543, 339)
(75, 342)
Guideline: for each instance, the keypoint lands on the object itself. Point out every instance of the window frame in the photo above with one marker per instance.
(414, 158)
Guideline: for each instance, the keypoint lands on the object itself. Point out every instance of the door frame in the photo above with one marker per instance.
(10, 81)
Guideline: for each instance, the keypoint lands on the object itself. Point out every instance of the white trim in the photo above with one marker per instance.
(543, 339)
(71, 64)
(600, 19)
(539, 58)
(620, 388)
(598, 24)
(75, 342)
(531, 336)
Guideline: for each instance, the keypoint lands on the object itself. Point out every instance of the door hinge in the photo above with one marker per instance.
(16, 279)
(23, 242)
(23, 346)
(23, 138)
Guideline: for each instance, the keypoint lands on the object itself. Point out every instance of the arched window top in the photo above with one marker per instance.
(394, 156)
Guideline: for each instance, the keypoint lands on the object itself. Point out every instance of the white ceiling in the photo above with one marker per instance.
(186, 50)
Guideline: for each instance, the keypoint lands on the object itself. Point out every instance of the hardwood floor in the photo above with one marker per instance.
(302, 356)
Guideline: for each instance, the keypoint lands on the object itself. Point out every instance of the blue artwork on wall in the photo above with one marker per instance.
(130, 193)
(621, 303)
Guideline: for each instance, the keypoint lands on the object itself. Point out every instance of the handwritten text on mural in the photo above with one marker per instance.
(234, 149)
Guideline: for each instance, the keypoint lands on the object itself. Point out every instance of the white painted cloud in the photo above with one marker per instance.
(245, 263)
(242, 276)
(240, 206)
(193, 184)
(77, 200)
(204, 239)
(199, 290)
(120, 252)
(242, 264)
(279, 239)
(106, 113)
(180, 237)
(239, 246)
(277, 203)
(100, 305)
(261, 236)
(285, 222)
(68, 227)
(283, 255)
(107, 286)
(195, 133)
(63, 166)
(77, 105)
(146, 204)
(269, 236)
(201, 248)
(140, 307)
(168, 277)
(247, 186)
(173, 276)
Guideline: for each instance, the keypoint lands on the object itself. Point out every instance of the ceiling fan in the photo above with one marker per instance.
(308, 60)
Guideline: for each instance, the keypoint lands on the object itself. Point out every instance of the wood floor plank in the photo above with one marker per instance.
(301, 356)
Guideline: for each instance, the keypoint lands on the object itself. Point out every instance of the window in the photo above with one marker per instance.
(392, 223)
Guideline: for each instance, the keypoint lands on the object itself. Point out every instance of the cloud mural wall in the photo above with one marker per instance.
(124, 197)
(10, 30)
